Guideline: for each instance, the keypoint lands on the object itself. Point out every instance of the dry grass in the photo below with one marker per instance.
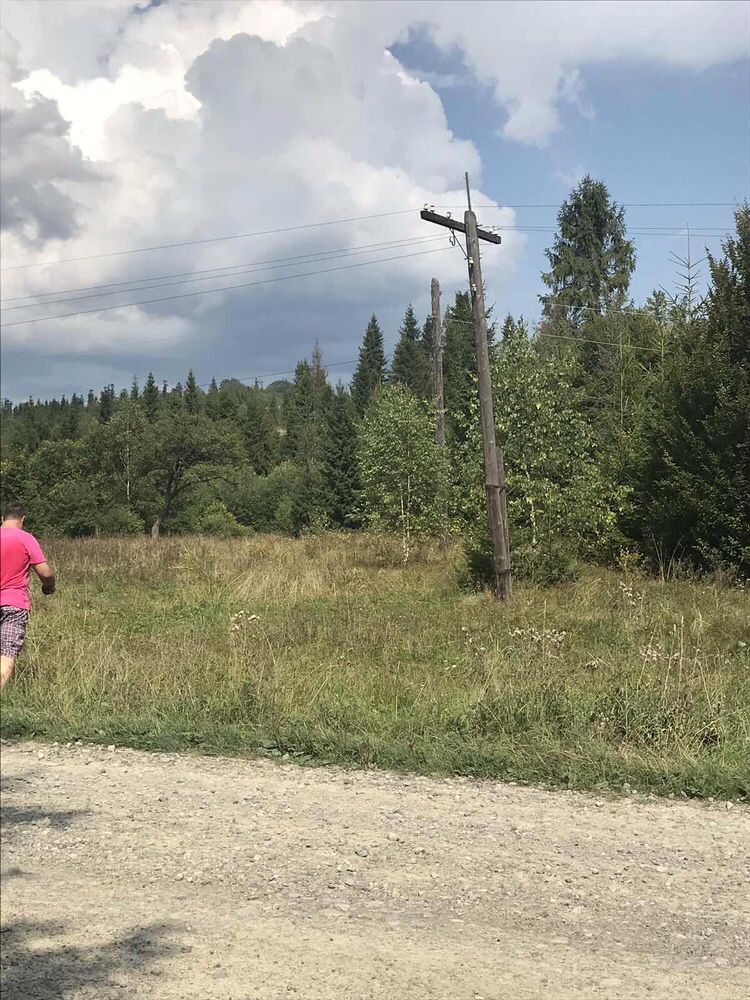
(328, 648)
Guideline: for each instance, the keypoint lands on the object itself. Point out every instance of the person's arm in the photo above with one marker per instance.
(47, 575)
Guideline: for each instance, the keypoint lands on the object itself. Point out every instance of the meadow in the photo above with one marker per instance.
(327, 649)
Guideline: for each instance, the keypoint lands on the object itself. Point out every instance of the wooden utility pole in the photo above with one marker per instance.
(494, 466)
(437, 363)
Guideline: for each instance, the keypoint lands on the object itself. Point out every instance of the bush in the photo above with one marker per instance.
(267, 503)
(120, 520)
(554, 562)
(218, 520)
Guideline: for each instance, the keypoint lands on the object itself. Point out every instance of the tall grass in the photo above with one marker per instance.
(328, 648)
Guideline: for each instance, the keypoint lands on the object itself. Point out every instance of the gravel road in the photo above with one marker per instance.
(127, 874)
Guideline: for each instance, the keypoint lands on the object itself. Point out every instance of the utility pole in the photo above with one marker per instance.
(437, 363)
(494, 466)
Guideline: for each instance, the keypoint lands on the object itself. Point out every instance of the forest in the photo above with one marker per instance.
(625, 428)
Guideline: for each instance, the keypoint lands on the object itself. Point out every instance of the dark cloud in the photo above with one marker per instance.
(39, 166)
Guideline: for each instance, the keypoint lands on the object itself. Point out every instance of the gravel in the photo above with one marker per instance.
(167, 876)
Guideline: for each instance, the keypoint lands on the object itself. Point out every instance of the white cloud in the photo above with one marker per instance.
(194, 120)
(530, 53)
(250, 134)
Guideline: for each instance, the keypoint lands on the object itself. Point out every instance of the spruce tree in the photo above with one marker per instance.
(106, 403)
(259, 432)
(135, 392)
(411, 363)
(306, 407)
(371, 368)
(150, 399)
(591, 260)
(212, 407)
(459, 365)
(192, 394)
(340, 471)
(692, 488)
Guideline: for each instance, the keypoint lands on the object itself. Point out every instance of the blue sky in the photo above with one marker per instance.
(128, 124)
(653, 135)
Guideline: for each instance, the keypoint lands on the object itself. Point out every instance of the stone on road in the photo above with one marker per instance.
(127, 874)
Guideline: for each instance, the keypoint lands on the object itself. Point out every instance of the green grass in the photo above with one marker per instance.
(327, 649)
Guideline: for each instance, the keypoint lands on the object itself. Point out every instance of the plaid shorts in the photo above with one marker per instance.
(13, 624)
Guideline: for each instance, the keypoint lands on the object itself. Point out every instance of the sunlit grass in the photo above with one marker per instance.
(329, 648)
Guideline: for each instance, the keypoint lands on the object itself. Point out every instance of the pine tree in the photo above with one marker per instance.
(693, 485)
(70, 424)
(212, 401)
(371, 368)
(459, 364)
(106, 403)
(151, 400)
(340, 470)
(176, 399)
(411, 363)
(192, 394)
(306, 407)
(591, 260)
(135, 392)
(259, 432)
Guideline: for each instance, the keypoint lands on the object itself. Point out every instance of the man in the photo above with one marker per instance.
(19, 553)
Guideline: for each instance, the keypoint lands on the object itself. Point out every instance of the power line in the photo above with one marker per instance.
(336, 222)
(328, 255)
(211, 239)
(599, 343)
(253, 378)
(580, 340)
(630, 204)
(224, 271)
(205, 270)
(224, 288)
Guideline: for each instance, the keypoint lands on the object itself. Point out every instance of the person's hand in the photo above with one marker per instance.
(48, 588)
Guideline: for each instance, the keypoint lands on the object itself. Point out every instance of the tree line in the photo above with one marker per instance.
(626, 428)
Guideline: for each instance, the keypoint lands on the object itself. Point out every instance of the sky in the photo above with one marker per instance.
(312, 133)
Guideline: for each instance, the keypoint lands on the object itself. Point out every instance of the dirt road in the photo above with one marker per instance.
(133, 875)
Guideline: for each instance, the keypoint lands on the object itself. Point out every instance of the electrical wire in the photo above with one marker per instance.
(212, 239)
(333, 222)
(257, 378)
(117, 287)
(224, 288)
(185, 274)
(229, 272)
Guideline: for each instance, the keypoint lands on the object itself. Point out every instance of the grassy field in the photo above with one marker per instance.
(327, 649)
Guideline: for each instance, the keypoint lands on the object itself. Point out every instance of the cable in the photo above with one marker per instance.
(211, 239)
(225, 288)
(249, 269)
(252, 378)
(227, 267)
(221, 272)
(580, 340)
(599, 343)
(336, 222)
(631, 204)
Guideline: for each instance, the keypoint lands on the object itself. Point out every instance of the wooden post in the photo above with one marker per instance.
(437, 363)
(494, 467)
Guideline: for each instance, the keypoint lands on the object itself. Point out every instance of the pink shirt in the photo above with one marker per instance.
(19, 551)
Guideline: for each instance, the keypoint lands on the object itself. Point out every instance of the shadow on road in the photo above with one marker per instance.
(33, 970)
(12, 816)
